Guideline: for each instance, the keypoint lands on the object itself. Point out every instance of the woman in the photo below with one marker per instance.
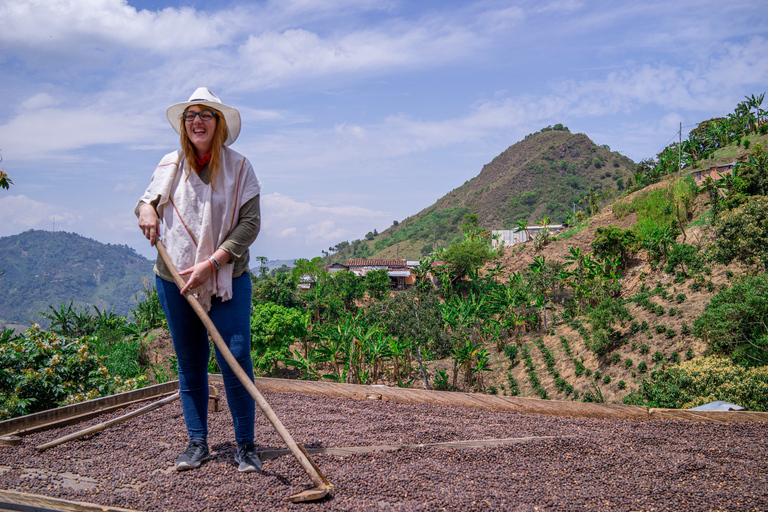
(207, 198)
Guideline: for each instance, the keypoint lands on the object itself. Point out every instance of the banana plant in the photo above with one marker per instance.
(378, 352)
(401, 357)
(306, 365)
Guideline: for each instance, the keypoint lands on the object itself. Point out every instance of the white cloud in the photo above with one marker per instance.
(309, 225)
(38, 101)
(127, 188)
(20, 213)
(64, 27)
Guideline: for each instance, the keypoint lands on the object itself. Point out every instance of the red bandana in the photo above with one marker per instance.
(200, 162)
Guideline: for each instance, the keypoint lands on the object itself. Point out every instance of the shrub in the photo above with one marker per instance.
(700, 381)
(644, 349)
(273, 329)
(661, 328)
(733, 323)
(642, 367)
(615, 357)
(511, 352)
(627, 364)
(514, 389)
(615, 242)
(657, 357)
(607, 379)
(42, 370)
(670, 333)
(681, 297)
(440, 382)
(621, 384)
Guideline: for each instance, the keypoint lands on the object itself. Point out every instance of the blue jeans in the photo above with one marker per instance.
(190, 341)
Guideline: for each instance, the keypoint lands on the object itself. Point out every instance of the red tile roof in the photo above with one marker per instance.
(376, 263)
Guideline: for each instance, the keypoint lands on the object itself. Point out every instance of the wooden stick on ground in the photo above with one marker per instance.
(107, 424)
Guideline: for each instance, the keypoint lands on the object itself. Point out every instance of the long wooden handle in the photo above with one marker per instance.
(107, 424)
(303, 459)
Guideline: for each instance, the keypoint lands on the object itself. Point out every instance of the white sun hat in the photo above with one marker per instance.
(203, 96)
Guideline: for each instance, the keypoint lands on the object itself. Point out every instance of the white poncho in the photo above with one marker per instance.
(197, 218)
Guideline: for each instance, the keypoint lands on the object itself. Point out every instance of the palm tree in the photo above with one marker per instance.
(756, 102)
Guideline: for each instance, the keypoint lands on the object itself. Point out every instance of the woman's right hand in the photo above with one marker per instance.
(149, 223)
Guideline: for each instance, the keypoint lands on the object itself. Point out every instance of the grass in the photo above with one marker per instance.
(573, 230)
(121, 356)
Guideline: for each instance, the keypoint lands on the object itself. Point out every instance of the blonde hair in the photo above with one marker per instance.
(219, 136)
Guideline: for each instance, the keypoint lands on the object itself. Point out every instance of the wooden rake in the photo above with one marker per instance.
(322, 487)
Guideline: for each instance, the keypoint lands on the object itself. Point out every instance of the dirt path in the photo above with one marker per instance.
(588, 465)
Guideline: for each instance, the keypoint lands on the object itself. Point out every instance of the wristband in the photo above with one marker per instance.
(215, 262)
(211, 264)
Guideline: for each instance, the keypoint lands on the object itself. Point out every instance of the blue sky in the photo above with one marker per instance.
(355, 113)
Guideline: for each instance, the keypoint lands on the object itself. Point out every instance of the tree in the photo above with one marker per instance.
(615, 242)
(742, 234)
(471, 253)
(263, 268)
(273, 329)
(348, 287)
(734, 322)
(377, 283)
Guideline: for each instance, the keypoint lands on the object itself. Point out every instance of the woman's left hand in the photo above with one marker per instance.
(198, 275)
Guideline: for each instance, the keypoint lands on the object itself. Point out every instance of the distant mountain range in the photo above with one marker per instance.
(48, 268)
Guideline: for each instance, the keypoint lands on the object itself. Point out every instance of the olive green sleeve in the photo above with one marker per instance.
(246, 231)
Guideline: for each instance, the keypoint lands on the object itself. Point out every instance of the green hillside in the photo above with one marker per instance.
(42, 268)
(549, 174)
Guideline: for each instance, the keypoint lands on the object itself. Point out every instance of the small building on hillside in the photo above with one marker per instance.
(715, 172)
(335, 267)
(511, 237)
(400, 276)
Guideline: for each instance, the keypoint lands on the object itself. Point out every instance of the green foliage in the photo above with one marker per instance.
(734, 322)
(412, 315)
(43, 268)
(5, 181)
(742, 234)
(273, 329)
(705, 380)
(440, 381)
(683, 258)
(511, 352)
(377, 283)
(615, 242)
(471, 254)
(603, 319)
(148, 313)
(41, 370)
(279, 289)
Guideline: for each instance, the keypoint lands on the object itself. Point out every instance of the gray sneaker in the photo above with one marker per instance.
(247, 458)
(195, 454)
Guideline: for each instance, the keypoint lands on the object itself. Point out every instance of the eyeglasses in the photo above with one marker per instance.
(205, 115)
